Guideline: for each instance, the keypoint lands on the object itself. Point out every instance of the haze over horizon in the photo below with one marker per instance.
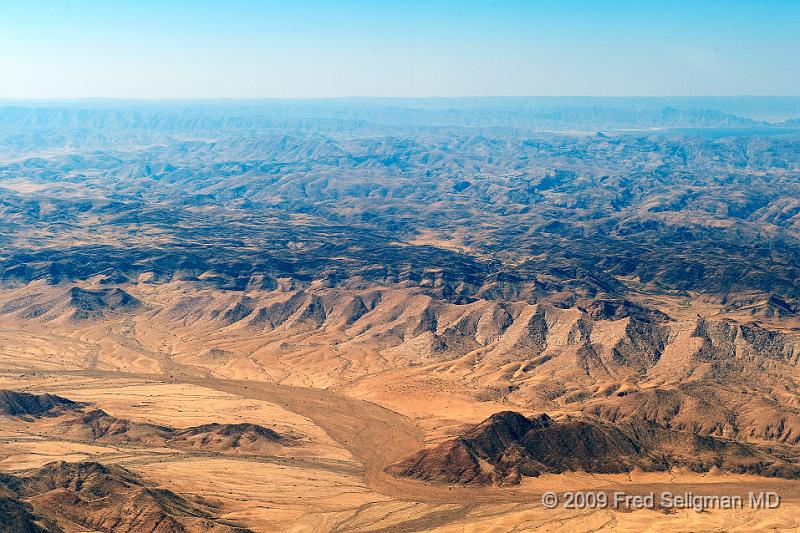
(323, 267)
(313, 49)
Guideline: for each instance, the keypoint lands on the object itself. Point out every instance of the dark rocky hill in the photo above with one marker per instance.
(99, 497)
(23, 404)
(508, 446)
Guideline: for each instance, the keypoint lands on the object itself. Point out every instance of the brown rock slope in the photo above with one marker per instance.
(19, 517)
(79, 421)
(99, 497)
(508, 445)
(97, 425)
(99, 303)
(26, 405)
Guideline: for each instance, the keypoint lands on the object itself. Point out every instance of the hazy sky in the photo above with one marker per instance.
(297, 48)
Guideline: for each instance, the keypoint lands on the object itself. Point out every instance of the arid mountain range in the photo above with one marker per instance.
(408, 314)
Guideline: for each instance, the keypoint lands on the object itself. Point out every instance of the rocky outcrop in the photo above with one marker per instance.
(19, 517)
(98, 497)
(97, 303)
(508, 446)
(97, 425)
(81, 421)
(27, 405)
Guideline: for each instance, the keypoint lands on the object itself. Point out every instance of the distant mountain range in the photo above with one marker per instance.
(631, 263)
(537, 114)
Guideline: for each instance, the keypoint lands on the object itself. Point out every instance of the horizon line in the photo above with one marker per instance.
(370, 97)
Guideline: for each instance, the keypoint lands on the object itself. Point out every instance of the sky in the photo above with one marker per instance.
(309, 49)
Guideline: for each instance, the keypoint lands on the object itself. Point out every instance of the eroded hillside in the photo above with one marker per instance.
(329, 305)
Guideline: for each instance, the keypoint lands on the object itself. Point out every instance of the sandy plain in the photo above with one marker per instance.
(333, 480)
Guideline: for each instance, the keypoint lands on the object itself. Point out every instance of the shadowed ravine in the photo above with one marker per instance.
(404, 315)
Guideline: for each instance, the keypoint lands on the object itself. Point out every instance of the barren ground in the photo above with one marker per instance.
(333, 481)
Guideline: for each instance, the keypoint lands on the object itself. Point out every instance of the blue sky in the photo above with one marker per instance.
(250, 49)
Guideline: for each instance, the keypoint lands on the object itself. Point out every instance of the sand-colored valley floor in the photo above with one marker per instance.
(333, 479)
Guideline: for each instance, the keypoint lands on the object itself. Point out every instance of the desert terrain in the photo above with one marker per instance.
(255, 318)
